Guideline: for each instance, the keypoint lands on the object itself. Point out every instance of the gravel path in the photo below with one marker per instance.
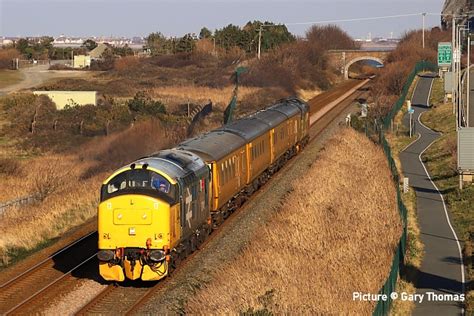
(37, 75)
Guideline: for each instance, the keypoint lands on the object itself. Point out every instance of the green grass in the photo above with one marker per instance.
(15, 254)
(9, 77)
(440, 160)
(414, 246)
(399, 140)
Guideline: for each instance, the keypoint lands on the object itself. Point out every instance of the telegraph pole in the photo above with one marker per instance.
(424, 15)
(453, 67)
(468, 77)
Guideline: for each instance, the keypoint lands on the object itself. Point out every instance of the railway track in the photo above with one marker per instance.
(132, 295)
(30, 285)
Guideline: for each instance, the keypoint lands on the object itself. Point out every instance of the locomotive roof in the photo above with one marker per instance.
(248, 128)
(214, 145)
(174, 163)
(271, 117)
(289, 107)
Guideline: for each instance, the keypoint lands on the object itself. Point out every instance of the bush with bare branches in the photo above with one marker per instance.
(126, 63)
(142, 139)
(6, 57)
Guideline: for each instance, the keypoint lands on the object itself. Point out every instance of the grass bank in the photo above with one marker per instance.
(441, 161)
(335, 234)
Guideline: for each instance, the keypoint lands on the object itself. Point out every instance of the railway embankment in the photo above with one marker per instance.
(333, 218)
(302, 223)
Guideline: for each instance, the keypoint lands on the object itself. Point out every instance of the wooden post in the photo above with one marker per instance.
(107, 124)
(33, 121)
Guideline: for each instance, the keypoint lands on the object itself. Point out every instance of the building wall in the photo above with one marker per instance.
(71, 98)
(82, 61)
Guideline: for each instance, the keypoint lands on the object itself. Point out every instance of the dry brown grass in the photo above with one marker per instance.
(69, 184)
(144, 138)
(335, 234)
(66, 201)
(126, 63)
(220, 97)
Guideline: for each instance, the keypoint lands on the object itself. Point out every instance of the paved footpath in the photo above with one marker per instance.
(442, 271)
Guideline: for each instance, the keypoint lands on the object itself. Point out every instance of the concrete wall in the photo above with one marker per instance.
(71, 98)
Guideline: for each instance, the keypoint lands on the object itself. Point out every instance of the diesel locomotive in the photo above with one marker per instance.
(157, 210)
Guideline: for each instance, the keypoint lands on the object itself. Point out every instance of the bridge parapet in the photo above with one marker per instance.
(343, 59)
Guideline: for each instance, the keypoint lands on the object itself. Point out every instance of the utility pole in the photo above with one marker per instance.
(214, 49)
(453, 67)
(259, 40)
(468, 77)
(424, 15)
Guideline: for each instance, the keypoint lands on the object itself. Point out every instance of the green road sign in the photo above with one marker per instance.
(445, 54)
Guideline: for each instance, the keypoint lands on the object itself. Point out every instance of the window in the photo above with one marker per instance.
(222, 175)
(160, 183)
(139, 181)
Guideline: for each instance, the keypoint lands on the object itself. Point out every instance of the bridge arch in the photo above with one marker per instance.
(353, 61)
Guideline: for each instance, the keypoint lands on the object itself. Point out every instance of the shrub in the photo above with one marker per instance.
(126, 63)
(144, 138)
(6, 57)
(143, 104)
(10, 167)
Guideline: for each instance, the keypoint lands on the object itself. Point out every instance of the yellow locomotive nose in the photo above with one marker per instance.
(133, 231)
(123, 223)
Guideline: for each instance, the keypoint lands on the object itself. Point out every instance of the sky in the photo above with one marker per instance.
(177, 17)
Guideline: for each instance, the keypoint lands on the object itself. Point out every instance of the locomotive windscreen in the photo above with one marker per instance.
(140, 181)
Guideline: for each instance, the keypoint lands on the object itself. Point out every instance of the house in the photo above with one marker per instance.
(81, 61)
(70, 98)
(97, 52)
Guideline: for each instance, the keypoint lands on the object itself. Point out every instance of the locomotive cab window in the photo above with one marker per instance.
(139, 181)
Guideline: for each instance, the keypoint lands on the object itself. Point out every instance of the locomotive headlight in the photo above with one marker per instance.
(157, 255)
(105, 255)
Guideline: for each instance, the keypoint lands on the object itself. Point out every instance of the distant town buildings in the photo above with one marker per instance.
(68, 41)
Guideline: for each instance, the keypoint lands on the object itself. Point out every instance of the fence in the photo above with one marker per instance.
(383, 307)
(18, 202)
(420, 66)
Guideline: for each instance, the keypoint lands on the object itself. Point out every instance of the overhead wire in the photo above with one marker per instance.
(359, 19)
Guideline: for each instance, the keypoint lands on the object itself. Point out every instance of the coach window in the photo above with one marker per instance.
(222, 174)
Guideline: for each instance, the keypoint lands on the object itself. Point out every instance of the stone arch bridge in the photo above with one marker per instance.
(343, 59)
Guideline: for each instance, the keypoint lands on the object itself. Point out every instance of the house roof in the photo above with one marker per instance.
(98, 51)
